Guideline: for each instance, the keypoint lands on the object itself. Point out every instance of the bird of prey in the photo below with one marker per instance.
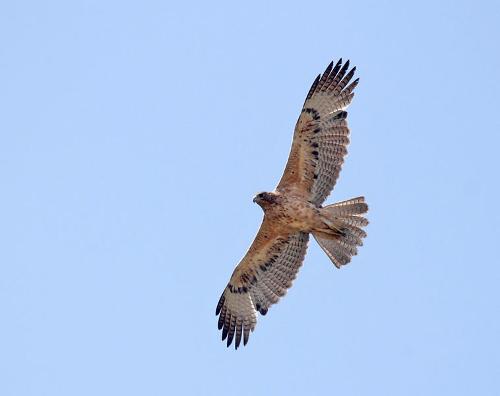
(294, 209)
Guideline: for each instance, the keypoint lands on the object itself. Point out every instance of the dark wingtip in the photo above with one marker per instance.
(313, 87)
(352, 85)
(220, 304)
(237, 340)
(329, 68)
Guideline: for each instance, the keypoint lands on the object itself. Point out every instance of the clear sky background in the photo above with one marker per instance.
(133, 136)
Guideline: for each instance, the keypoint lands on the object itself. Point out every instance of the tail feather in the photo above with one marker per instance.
(352, 239)
(353, 206)
(339, 253)
(357, 221)
(344, 221)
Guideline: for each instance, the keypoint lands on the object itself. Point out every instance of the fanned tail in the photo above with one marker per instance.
(344, 232)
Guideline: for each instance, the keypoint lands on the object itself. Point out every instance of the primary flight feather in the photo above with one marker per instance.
(293, 210)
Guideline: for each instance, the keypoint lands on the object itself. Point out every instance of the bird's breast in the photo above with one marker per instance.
(294, 215)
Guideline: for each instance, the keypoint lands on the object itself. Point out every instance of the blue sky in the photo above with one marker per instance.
(133, 137)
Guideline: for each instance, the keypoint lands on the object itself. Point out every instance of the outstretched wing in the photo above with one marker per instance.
(321, 136)
(259, 280)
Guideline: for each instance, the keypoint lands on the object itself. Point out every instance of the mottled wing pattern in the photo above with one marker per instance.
(321, 136)
(259, 280)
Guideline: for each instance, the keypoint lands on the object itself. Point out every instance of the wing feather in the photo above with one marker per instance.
(259, 281)
(321, 136)
(332, 75)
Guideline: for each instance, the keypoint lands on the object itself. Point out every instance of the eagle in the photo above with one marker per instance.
(294, 209)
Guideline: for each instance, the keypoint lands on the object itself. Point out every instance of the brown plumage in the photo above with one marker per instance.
(294, 210)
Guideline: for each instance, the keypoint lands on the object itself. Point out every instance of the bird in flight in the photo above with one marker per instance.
(294, 209)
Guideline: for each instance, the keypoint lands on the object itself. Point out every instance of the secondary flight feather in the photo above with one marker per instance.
(294, 209)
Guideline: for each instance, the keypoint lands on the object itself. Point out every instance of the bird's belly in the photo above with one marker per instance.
(297, 216)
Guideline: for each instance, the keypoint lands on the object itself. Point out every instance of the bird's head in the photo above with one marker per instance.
(266, 199)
